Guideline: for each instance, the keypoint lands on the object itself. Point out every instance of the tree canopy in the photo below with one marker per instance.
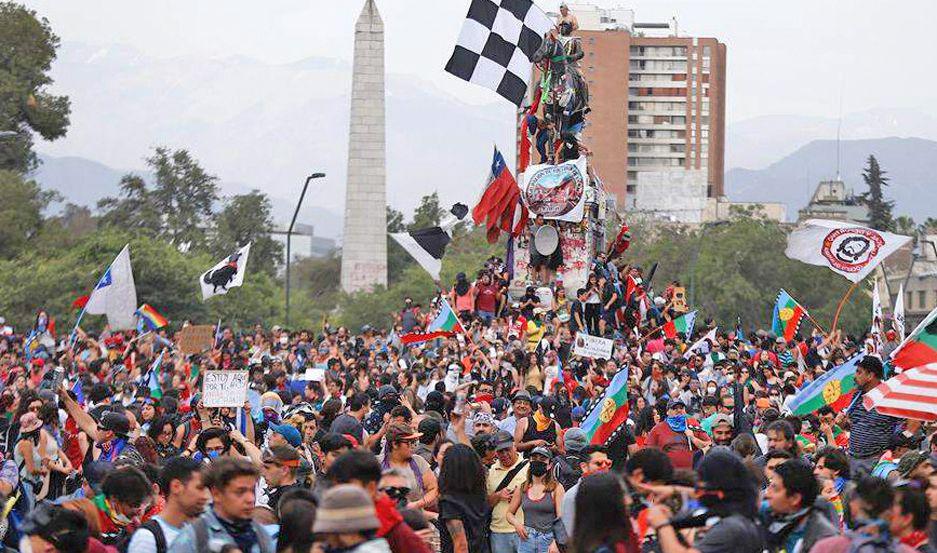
(27, 49)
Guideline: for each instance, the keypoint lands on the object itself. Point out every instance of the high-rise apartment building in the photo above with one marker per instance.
(657, 99)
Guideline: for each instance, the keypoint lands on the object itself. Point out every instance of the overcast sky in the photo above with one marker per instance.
(792, 57)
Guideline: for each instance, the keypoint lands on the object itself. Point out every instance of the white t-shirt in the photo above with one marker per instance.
(551, 373)
(143, 541)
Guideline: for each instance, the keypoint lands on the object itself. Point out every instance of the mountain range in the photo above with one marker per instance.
(910, 163)
(267, 126)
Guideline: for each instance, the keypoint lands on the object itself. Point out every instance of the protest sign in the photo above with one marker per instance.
(317, 374)
(195, 339)
(593, 346)
(224, 388)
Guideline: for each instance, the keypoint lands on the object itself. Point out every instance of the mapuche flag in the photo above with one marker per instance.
(444, 325)
(609, 412)
(920, 347)
(787, 317)
(682, 324)
(835, 388)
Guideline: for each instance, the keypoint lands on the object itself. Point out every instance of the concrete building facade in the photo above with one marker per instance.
(658, 102)
(364, 242)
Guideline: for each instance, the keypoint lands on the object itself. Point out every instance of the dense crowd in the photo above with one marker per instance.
(470, 442)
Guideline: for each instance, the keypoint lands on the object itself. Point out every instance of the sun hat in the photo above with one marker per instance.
(345, 508)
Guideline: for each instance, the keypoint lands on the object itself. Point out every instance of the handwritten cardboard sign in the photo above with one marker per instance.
(195, 339)
(224, 388)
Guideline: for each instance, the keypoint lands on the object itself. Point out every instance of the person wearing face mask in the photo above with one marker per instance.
(678, 436)
(124, 498)
(541, 499)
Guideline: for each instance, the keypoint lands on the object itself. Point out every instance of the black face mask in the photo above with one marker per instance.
(538, 468)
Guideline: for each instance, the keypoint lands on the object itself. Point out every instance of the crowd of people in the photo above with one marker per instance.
(465, 443)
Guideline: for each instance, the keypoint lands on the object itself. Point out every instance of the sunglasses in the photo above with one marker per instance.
(396, 492)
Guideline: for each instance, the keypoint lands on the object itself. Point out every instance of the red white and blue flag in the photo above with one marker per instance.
(500, 205)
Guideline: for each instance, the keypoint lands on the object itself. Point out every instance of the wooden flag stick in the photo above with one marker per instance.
(842, 302)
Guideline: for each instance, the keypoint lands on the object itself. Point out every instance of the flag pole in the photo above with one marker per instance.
(814, 321)
(842, 302)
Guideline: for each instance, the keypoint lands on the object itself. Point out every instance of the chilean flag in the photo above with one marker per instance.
(500, 206)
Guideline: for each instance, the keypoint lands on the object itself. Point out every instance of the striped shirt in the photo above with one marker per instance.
(870, 432)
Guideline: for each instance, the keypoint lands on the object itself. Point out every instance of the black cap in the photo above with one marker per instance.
(503, 440)
(429, 427)
(118, 423)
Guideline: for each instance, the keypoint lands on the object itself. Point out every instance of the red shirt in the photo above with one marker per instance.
(675, 444)
(486, 297)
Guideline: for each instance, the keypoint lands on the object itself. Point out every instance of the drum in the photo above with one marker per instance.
(546, 240)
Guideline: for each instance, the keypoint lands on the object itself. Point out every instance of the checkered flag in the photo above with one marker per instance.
(497, 44)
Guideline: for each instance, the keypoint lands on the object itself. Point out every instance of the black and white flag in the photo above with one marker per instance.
(227, 273)
(427, 246)
(497, 45)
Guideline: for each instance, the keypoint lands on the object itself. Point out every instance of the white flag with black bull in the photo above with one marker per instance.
(226, 274)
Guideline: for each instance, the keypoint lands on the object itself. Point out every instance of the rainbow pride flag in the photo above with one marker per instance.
(151, 317)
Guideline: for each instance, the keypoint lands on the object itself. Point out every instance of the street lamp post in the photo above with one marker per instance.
(289, 235)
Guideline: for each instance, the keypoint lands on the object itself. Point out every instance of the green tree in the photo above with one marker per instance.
(247, 218)
(178, 206)
(397, 257)
(134, 208)
(165, 278)
(904, 224)
(21, 209)
(880, 216)
(428, 213)
(27, 49)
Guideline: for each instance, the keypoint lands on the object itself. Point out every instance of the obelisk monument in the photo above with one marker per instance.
(364, 243)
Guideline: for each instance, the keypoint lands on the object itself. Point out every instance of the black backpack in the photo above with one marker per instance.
(566, 470)
(151, 526)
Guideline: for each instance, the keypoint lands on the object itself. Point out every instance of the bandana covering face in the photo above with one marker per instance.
(543, 421)
(677, 423)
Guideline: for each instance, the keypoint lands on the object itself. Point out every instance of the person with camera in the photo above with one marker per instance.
(726, 489)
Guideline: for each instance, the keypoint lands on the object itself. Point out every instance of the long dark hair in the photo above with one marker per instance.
(462, 472)
(601, 515)
(461, 284)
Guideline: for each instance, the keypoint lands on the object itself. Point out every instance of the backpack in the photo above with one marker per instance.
(870, 544)
(566, 470)
(264, 541)
(154, 528)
